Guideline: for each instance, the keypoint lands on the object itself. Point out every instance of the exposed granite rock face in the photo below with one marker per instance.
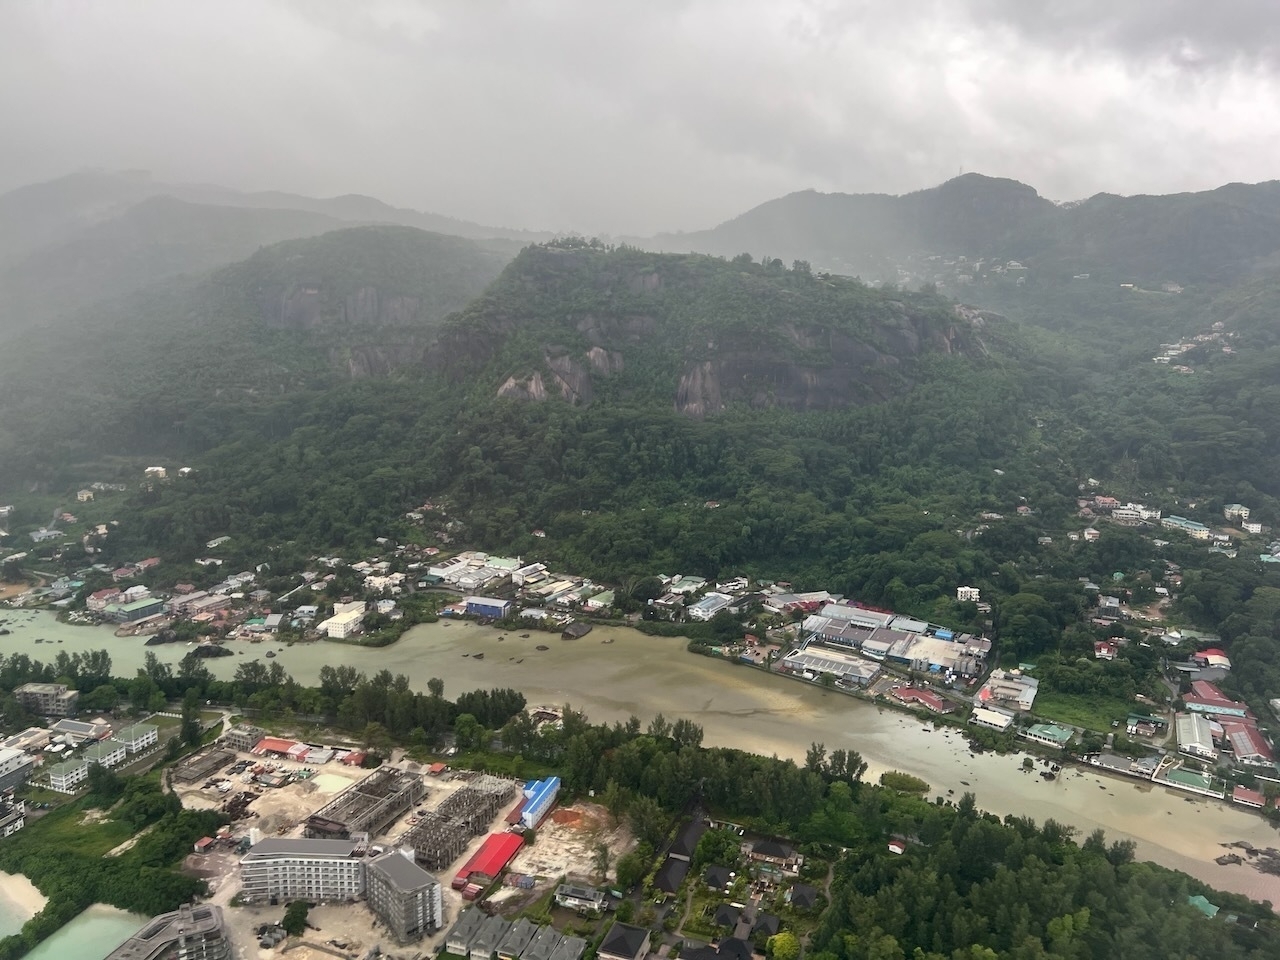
(368, 306)
(850, 372)
(529, 388)
(585, 326)
(295, 307)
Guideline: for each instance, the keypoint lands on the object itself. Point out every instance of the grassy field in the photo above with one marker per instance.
(1093, 713)
(74, 830)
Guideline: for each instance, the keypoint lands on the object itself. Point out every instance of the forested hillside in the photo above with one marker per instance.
(154, 240)
(61, 210)
(575, 321)
(169, 370)
(676, 412)
(1214, 236)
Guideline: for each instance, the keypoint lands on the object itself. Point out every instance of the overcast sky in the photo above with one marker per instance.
(633, 116)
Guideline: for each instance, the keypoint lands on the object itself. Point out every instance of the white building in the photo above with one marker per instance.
(1236, 511)
(155, 473)
(84, 496)
(1195, 736)
(106, 753)
(302, 869)
(708, 606)
(968, 594)
(66, 776)
(1010, 688)
(992, 719)
(344, 624)
(15, 767)
(138, 737)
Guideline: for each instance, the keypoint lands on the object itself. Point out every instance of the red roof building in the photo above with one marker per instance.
(437, 768)
(274, 745)
(1249, 798)
(1248, 745)
(514, 816)
(494, 854)
(1105, 650)
(354, 758)
(926, 698)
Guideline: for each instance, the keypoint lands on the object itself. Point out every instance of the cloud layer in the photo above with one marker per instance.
(641, 115)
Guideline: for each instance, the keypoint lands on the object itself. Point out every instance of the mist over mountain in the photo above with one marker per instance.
(1212, 236)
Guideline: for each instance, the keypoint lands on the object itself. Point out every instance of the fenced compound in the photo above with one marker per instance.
(369, 806)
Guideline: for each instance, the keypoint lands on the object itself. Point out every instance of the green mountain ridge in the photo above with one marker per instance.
(700, 333)
(1211, 236)
(55, 211)
(157, 239)
(168, 367)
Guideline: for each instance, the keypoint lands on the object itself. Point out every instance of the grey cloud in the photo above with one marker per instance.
(640, 115)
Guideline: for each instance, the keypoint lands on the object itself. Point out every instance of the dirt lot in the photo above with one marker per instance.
(281, 809)
(566, 844)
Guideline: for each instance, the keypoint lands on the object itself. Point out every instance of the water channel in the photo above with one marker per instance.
(738, 707)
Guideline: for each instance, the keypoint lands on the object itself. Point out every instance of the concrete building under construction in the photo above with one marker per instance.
(189, 933)
(369, 806)
(441, 836)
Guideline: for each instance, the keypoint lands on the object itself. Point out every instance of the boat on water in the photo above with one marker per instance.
(477, 656)
(271, 653)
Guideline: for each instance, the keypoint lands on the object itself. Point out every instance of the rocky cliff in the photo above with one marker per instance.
(576, 324)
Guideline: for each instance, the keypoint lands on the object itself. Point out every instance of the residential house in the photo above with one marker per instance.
(485, 943)
(517, 940)
(686, 841)
(84, 496)
(99, 599)
(717, 877)
(1091, 534)
(776, 854)
(802, 896)
(1235, 511)
(671, 875)
(574, 896)
(1105, 649)
(624, 942)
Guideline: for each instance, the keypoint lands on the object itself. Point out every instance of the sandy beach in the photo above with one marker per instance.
(19, 899)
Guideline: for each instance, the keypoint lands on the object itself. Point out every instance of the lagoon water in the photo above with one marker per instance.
(738, 707)
(90, 936)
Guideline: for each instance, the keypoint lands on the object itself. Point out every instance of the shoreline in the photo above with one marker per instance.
(18, 892)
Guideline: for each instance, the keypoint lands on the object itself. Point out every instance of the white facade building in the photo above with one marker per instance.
(66, 776)
(302, 869)
(344, 624)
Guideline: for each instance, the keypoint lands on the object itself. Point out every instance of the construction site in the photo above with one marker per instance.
(440, 836)
(464, 827)
(369, 807)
